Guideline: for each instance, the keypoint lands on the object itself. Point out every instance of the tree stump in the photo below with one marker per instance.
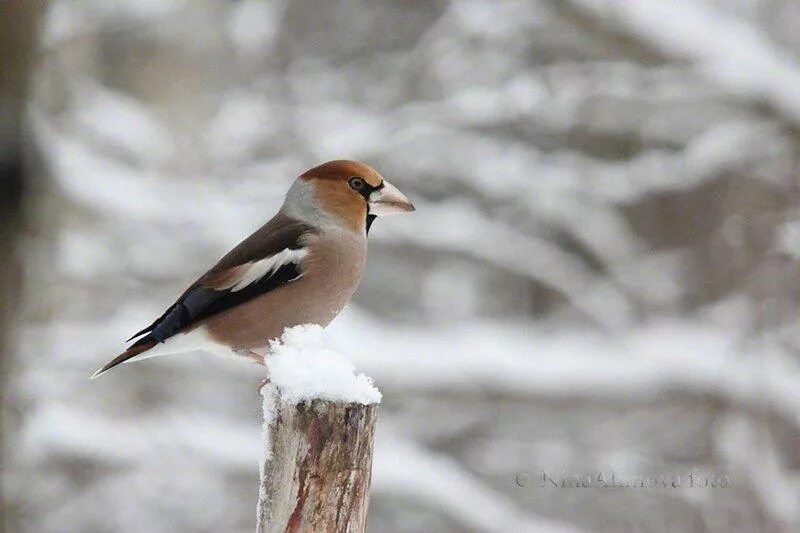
(317, 468)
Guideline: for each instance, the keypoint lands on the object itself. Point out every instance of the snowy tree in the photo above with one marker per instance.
(602, 273)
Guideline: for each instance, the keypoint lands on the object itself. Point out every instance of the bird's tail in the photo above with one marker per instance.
(135, 349)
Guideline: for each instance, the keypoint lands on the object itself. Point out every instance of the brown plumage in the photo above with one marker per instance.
(300, 267)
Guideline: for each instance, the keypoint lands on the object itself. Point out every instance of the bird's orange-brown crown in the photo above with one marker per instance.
(343, 170)
(334, 193)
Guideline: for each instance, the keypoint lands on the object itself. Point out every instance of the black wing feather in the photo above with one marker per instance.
(200, 302)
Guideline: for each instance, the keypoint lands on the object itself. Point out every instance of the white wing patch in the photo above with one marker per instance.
(267, 267)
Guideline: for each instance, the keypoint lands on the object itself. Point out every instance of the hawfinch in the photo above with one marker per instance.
(300, 267)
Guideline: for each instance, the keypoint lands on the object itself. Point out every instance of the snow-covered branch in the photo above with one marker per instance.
(736, 55)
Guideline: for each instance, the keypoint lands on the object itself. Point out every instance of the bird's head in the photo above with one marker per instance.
(351, 191)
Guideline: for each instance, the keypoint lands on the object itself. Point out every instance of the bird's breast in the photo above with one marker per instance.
(335, 261)
(331, 272)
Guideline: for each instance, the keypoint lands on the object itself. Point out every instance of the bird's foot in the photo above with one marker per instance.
(258, 358)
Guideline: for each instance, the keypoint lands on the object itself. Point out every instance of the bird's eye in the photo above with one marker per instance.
(356, 183)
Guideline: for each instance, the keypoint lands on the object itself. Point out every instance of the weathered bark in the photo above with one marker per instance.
(316, 476)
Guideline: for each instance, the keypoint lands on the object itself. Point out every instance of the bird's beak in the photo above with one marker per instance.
(388, 200)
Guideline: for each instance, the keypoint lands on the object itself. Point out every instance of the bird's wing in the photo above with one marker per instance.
(268, 259)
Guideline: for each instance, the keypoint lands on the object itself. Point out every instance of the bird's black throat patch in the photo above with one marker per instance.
(366, 192)
(370, 220)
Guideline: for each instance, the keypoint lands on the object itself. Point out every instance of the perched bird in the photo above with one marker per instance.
(300, 267)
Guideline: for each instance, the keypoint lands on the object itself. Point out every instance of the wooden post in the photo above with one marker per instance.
(316, 473)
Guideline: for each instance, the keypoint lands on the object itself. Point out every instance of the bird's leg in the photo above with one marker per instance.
(255, 357)
(258, 358)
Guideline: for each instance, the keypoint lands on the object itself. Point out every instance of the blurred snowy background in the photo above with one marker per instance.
(602, 275)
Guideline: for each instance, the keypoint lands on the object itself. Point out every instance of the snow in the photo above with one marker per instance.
(485, 357)
(717, 43)
(464, 360)
(304, 367)
(61, 22)
(121, 124)
(788, 239)
(533, 165)
(253, 25)
(403, 468)
(471, 357)
(56, 430)
(472, 233)
(243, 122)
